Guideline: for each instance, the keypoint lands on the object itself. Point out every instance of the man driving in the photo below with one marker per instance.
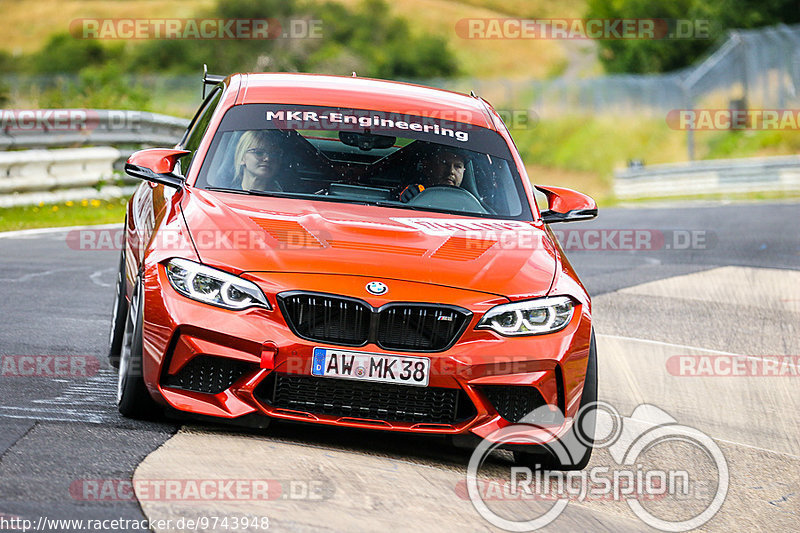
(443, 167)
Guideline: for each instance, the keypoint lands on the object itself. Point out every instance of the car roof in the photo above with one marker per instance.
(362, 93)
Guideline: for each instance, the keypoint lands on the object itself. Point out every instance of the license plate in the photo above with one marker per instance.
(378, 367)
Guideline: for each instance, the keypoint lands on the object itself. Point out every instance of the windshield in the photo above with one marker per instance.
(362, 156)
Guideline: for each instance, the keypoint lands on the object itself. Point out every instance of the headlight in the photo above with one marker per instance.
(212, 286)
(532, 317)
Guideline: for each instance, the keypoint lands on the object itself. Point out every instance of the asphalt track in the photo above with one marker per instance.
(735, 289)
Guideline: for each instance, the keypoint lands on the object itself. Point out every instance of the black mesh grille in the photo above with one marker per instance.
(419, 328)
(208, 374)
(327, 318)
(338, 320)
(513, 402)
(362, 399)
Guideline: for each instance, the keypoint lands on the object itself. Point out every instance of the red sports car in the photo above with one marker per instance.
(357, 253)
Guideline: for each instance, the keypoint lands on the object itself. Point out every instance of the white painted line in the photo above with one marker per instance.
(661, 343)
(733, 443)
(45, 231)
(764, 288)
(95, 277)
(686, 347)
(32, 275)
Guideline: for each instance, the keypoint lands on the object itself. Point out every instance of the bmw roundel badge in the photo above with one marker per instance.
(377, 288)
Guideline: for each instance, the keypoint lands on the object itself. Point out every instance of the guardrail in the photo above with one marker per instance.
(719, 176)
(51, 176)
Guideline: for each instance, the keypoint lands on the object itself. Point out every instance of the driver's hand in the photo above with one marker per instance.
(410, 192)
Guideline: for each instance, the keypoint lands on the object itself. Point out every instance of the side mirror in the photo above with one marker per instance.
(566, 205)
(156, 165)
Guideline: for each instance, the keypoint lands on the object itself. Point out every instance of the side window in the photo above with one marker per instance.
(198, 128)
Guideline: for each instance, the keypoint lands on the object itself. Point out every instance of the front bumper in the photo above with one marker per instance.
(228, 364)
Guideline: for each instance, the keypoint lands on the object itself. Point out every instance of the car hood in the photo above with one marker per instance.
(265, 234)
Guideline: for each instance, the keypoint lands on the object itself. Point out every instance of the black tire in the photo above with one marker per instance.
(133, 400)
(574, 449)
(119, 314)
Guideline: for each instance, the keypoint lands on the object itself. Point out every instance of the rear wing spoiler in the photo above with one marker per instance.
(210, 79)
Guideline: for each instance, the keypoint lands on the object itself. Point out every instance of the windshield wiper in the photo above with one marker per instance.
(380, 203)
(253, 192)
(294, 195)
(226, 189)
(402, 205)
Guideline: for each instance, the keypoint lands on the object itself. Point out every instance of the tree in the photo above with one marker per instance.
(654, 55)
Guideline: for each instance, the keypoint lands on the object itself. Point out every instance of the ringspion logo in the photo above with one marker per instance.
(635, 477)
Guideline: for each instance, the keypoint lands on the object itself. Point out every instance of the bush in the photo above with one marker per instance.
(365, 38)
(173, 55)
(385, 44)
(97, 87)
(64, 53)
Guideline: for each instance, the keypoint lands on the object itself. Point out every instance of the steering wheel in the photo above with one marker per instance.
(448, 197)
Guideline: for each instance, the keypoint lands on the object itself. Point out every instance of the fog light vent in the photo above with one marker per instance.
(208, 374)
(513, 402)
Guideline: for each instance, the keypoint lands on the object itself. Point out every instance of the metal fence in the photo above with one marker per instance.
(759, 68)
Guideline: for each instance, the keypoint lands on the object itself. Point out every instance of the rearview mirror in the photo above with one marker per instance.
(156, 165)
(566, 205)
(366, 141)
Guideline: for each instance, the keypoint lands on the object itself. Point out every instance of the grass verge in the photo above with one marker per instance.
(79, 213)
(743, 197)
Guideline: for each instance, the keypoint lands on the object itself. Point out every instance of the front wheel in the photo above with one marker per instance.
(133, 400)
(119, 315)
(574, 449)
